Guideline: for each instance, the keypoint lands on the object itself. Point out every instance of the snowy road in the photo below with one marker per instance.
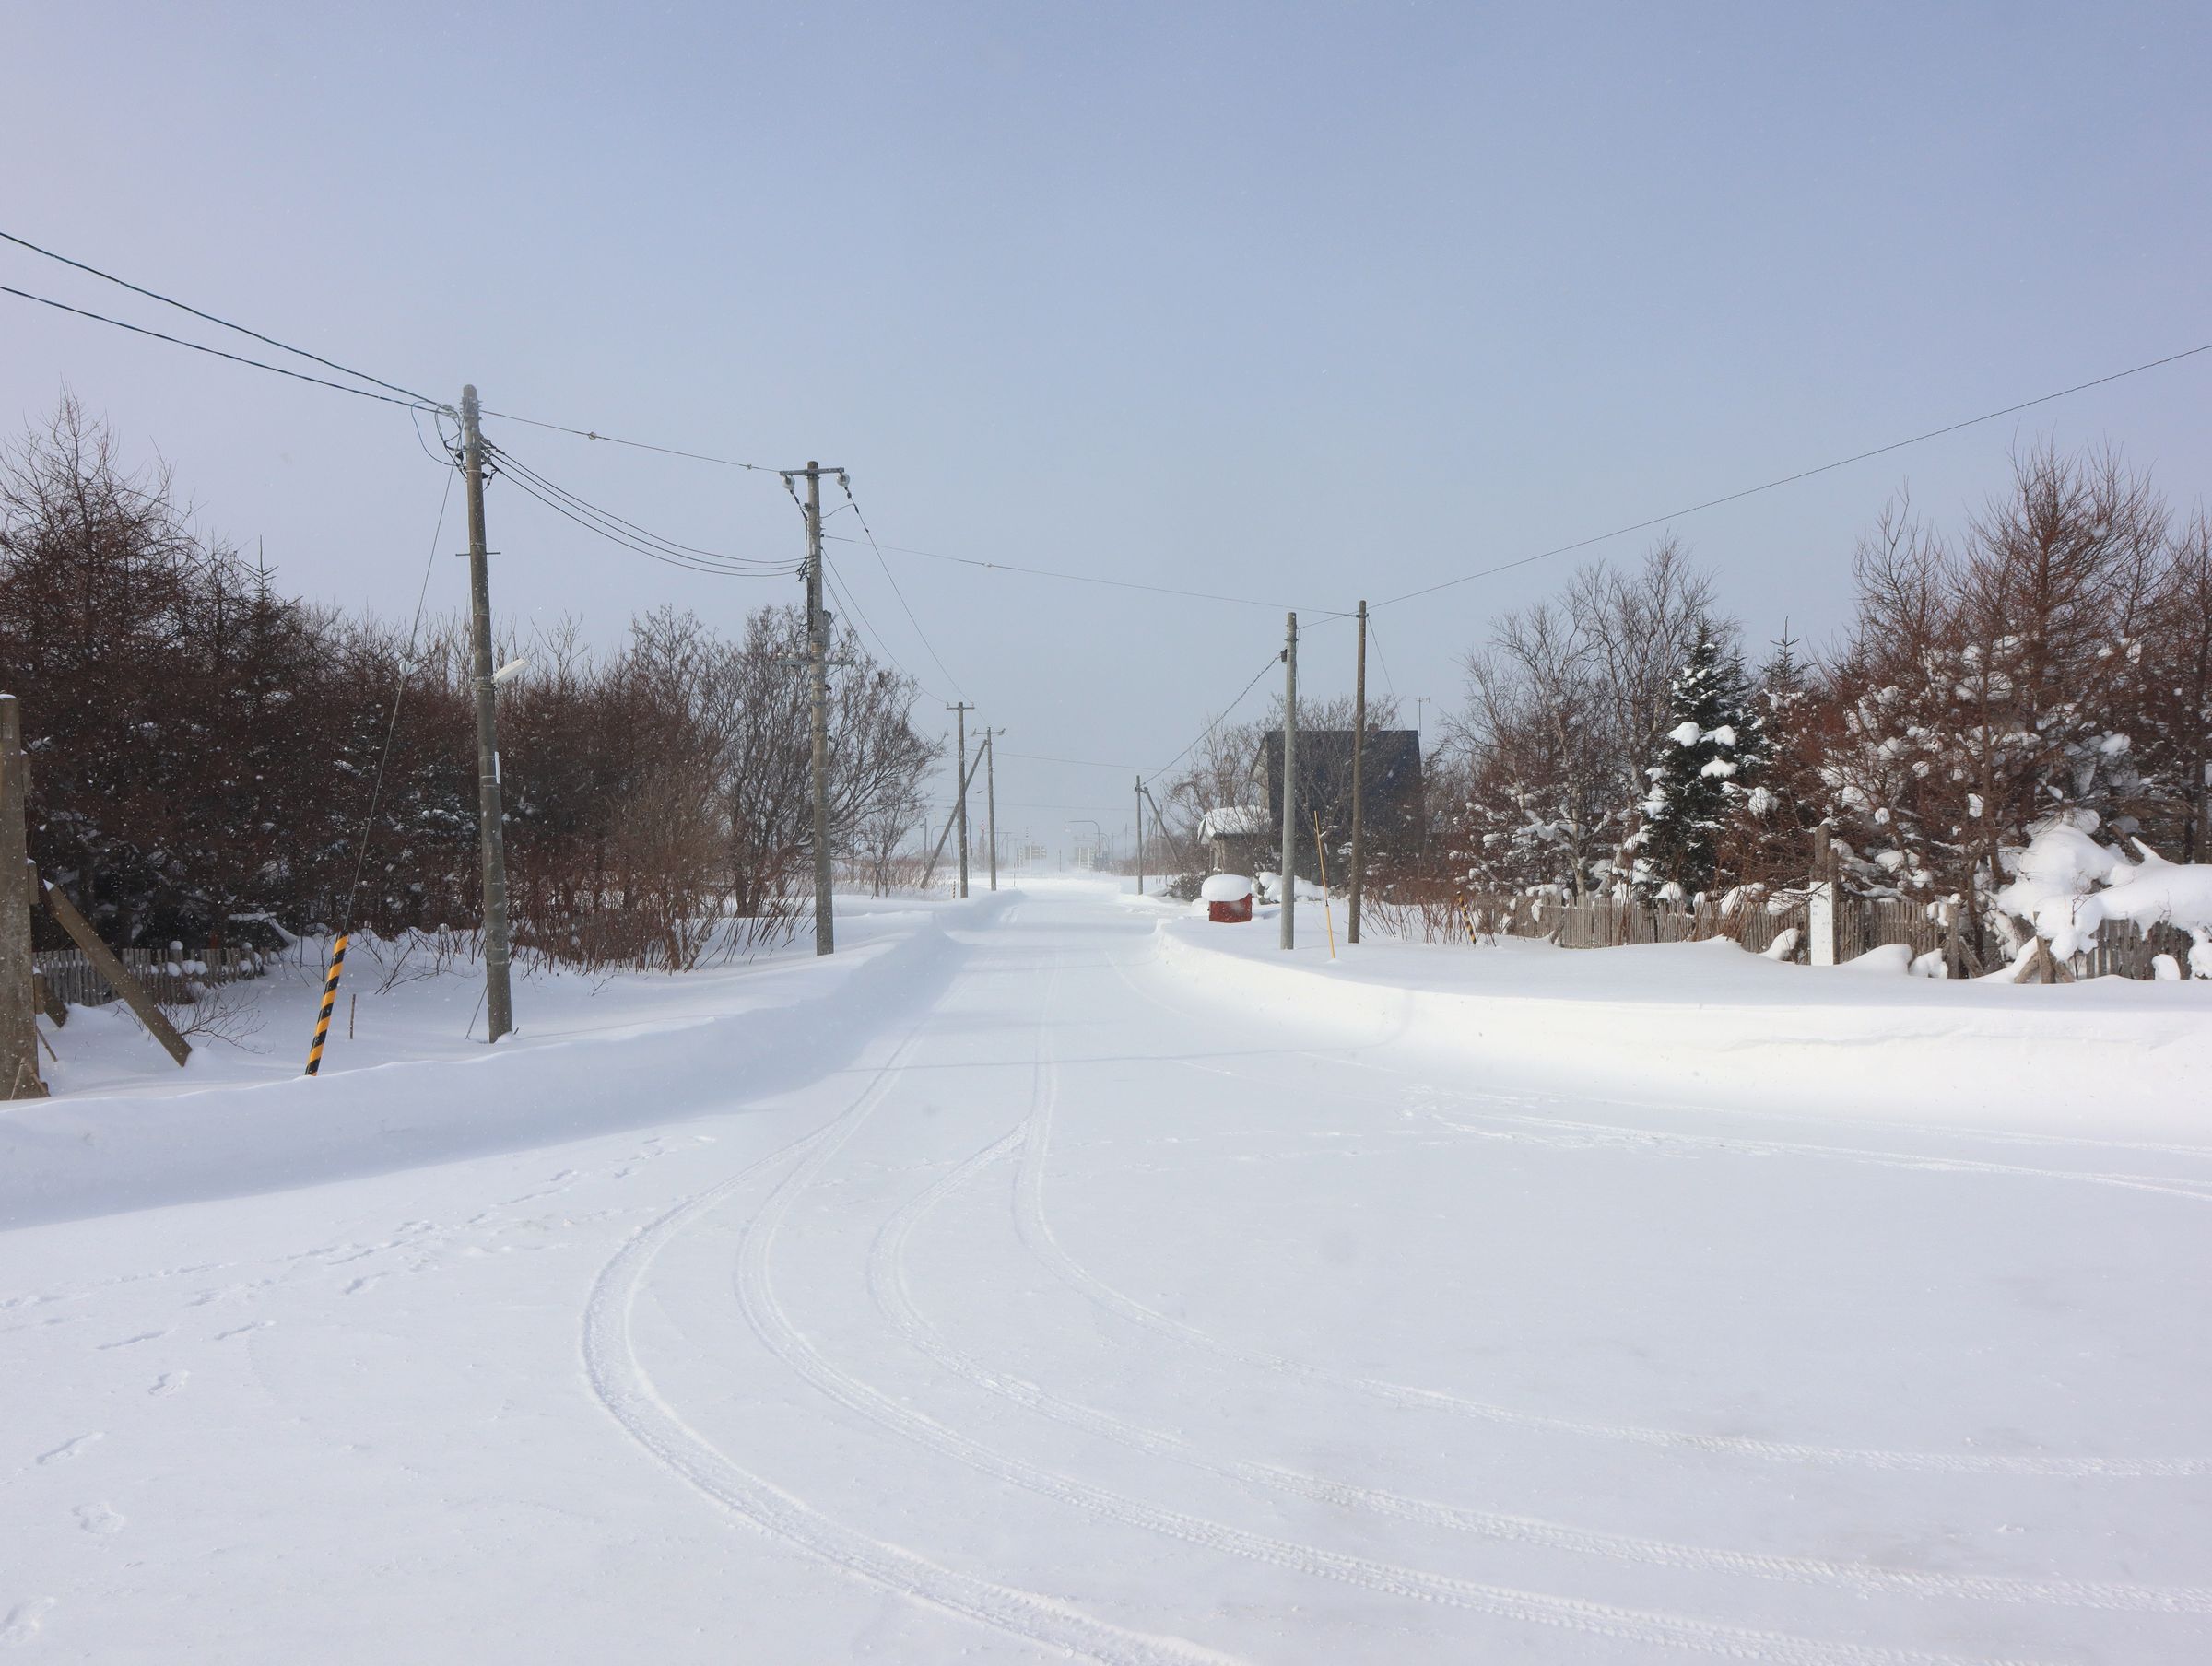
(1086, 1309)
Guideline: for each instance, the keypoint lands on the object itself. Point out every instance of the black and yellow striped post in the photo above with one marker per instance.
(330, 1000)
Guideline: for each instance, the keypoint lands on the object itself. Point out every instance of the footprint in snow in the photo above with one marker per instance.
(259, 1324)
(167, 1383)
(98, 1519)
(21, 1625)
(132, 1341)
(69, 1449)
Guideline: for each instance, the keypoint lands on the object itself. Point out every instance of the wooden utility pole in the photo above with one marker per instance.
(498, 1001)
(1288, 878)
(960, 713)
(991, 799)
(20, 1077)
(1358, 778)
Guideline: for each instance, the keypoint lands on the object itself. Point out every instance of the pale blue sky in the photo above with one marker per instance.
(1303, 303)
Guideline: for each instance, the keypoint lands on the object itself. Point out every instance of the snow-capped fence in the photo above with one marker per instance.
(171, 977)
(2115, 948)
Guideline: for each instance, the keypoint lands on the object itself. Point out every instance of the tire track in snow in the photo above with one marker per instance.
(1037, 1232)
(887, 1280)
(619, 1382)
(757, 1296)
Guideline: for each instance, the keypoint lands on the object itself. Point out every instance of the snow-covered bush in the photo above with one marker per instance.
(2068, 886)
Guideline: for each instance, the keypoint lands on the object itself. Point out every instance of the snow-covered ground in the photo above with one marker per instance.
(1056, 1275)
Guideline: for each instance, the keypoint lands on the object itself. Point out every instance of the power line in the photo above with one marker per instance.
(1376, 638)
(410, 404)
(1273, 660)
(407, 669)
(628, 533)
(1895, 445)
(846, 599)
(166, 300)
(1087, 763)
(1046, 572)
(855, 503)
(667, 451)
(422, 399)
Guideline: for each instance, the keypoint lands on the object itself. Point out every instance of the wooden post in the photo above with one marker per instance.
(1322, 858)
(1823, 905)
(19, 1019)
(120, 980)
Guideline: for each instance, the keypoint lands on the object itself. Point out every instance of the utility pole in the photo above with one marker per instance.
(1140, 835)
(818, 698)
(498, 999)
(960, 713)
(1359, 777)
(19, 884)
(991, 798)
(1290, 874)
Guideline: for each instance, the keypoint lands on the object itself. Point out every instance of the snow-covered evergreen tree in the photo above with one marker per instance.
(1703, 770)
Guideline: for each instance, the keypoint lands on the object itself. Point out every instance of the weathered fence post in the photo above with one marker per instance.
(1823, 904)
(18, 1018)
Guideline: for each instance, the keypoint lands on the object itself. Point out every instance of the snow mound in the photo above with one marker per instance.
(1892, 959)
(1225, 887)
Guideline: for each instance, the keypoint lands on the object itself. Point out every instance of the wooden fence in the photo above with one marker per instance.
(2121, 949)
(171, 977)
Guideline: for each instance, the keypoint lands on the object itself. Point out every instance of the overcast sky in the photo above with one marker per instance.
(1296, 303)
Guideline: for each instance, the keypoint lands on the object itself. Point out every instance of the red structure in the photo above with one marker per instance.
(1228, 899)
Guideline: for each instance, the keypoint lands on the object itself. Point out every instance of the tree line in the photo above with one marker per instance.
(2050, 654)
(204, 747)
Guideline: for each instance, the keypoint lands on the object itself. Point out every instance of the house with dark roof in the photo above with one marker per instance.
(1390, 785)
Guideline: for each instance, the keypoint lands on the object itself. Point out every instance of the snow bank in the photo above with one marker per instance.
(234, 1124)
(1705, 1021)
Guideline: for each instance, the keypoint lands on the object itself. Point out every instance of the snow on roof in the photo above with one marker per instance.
(1233, 821)
(1225, 887)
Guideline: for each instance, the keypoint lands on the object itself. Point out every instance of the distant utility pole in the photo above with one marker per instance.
(1358, 779)
(991, 799)
(1288, 878)
(1140, 835)
(498, 1001)
(960, 713)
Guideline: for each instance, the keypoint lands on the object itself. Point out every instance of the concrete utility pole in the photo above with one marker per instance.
(498, 1001)
(817, 699)
(1359, 777)
(1289, 872)
(960, 713)
(18, 1017)
(991, 799)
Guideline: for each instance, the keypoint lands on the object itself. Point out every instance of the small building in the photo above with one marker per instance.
(1236, 838)
(1228, 899)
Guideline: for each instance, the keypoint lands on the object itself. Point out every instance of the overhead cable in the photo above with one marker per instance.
(1273, 661)
(1046, 572)
(328, 364)
(846, 484)
(1749, 491)
(409, 404)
